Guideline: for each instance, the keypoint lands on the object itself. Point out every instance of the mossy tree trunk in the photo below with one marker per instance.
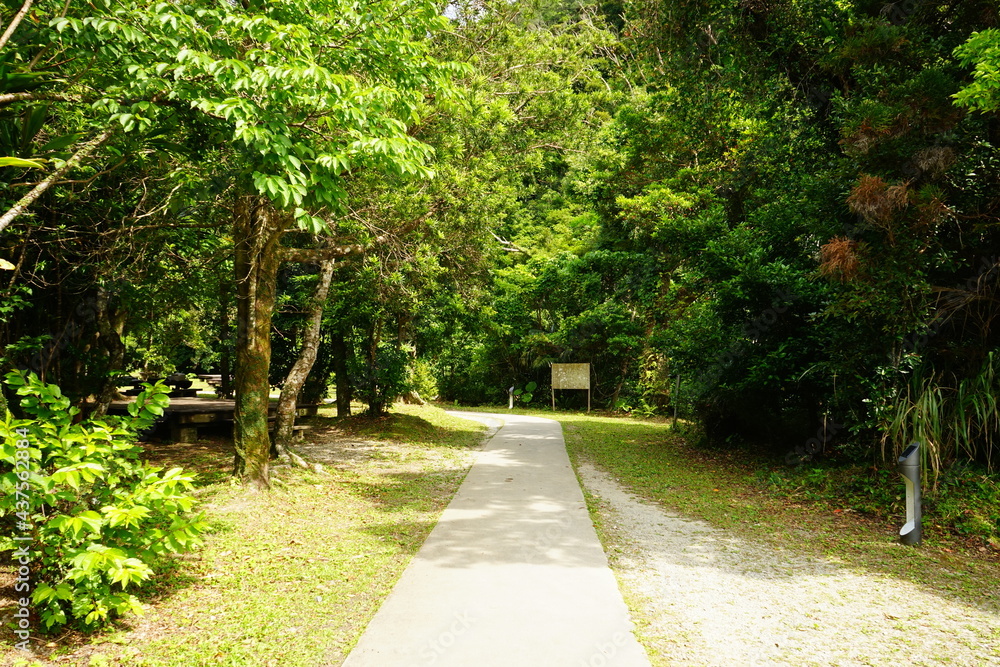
(257, 232)
(297, 375)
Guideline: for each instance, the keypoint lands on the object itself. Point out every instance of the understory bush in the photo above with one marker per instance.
(85, 519)
(380, 379)
(956, 419)
(421, 379)
(966, 501)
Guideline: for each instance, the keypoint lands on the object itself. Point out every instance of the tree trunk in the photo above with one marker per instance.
(109, 328)
(225, 389)
(339, 349)
(257, 231)
(621, 381)
(285, 418)
(376, 402)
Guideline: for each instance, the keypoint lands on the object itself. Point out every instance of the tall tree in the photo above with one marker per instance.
(299, 372)
(298, 95)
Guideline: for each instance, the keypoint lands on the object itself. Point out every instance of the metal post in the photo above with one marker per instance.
(909, 467)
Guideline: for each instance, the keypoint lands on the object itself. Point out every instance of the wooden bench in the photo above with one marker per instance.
(183, 393)
(184, 427)
(298, 431)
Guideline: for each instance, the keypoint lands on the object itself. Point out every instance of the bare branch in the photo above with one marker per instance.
(13, 23)
(508, 246)
(80, 181)
(317, 255)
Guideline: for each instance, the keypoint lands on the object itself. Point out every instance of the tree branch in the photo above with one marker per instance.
(317, 255)
(41, 51)
(9, 98)
(28, 199)
(79, 181)
(13, 23)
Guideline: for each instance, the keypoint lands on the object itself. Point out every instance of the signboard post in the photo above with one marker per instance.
(570, 376)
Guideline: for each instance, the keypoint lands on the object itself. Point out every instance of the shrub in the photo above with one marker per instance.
(526, 393)
(421, 379)
(380, 380)
(968, 500)
(88, 518)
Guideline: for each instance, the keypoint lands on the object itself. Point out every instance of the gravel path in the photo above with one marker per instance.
(701, 597)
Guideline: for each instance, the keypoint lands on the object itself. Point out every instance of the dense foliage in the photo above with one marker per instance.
(787, 216)
(777, 216)
(96, 520)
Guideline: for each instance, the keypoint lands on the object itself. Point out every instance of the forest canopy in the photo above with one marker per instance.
(777, 217)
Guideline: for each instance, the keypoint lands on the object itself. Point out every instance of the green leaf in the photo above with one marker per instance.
(59, 143)
(92, 519)
(18, 162)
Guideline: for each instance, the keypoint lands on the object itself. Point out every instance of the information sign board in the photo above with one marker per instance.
(570, 376)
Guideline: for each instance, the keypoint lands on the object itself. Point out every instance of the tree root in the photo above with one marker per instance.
(289, 456)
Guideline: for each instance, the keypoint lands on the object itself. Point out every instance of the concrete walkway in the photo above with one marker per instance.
(513, 574)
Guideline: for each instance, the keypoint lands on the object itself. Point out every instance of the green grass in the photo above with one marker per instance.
(292, 577)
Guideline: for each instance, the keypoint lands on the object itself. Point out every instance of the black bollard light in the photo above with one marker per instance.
(909, 467)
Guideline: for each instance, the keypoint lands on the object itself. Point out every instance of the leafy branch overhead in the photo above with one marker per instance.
(306, 93)
(982, 51)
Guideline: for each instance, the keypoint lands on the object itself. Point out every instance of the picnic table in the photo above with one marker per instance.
(185, 415)
(214, 381)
